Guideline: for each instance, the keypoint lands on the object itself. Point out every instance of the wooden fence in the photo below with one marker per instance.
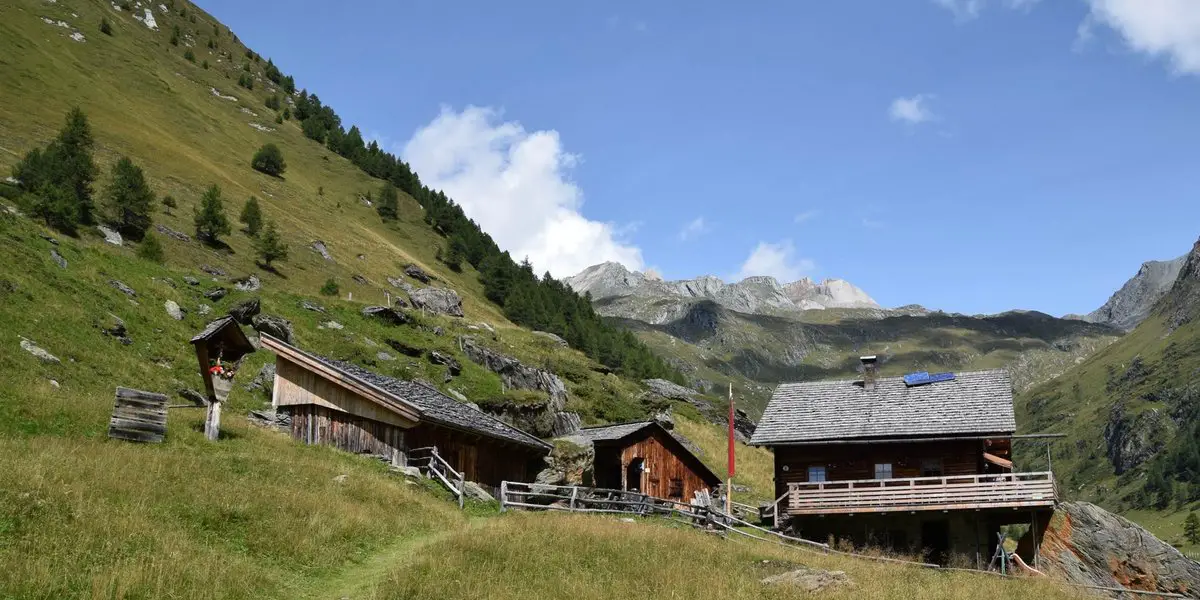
(437, 468)
(138, 416)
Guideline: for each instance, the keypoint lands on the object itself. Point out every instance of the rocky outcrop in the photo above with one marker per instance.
(313, 306)
(1132, 303)
(417, 273)
(274, 326)
(1088, 545)
(264, 381)
(58, 259)
(659, 393)
(386, 314)
(121, 287)
(540, 418)
(214, 271)
(442, 301)
(39, 352)
(171, 233)
(173, 310)
(244, 311)
(1132, 440)
(249, 283)
(558, 341)
(452, 365)
(216, 294)
(1181, 303)
(114, 327)
(110, 235)
(571, 462)
(320, 248)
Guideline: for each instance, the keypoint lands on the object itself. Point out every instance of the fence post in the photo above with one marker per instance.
(574, 493)
(503, 495)
(462, 487)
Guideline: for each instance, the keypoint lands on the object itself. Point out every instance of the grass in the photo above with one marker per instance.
(755, 466)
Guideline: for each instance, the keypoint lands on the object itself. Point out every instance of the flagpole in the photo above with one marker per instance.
(729, 479)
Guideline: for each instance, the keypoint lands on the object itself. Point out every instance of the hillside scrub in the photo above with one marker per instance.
(269, 160)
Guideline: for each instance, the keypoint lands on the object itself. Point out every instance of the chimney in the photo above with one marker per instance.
(870, 374)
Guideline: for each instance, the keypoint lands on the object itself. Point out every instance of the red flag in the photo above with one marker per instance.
(731, 430)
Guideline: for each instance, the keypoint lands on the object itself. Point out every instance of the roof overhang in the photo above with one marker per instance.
(886, 440)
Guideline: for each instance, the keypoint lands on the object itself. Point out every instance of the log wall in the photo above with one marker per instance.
(314, 424)
(664, 461)
(484, 460)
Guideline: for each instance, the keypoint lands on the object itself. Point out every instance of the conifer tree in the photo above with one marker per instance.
(150, 248)
(211, 222)
(129, 200)
(270, 246)
(388, 205)
(251, 216)
(1191, 528)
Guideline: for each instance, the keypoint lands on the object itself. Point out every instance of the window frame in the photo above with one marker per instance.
(890, 470)
(822, 469)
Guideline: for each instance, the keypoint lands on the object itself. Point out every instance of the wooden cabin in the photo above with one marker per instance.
(914, 462)
(644, 457)
(343, 405)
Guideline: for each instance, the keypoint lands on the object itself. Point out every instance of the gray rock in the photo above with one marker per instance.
(319, 247)
(565, 423)
(442, 301)
(173, 310)
(249, 283)
(330, 325)
(669, 390)
(192, 396)
(810, 580)
(264, 381)
(1132, 303)
(211, 270)
(474, 492)
(244, 311)
(386, 314)
(39, 352)
(1088, 545)
(384, 356)
(274, 326)
(1132, 441)
(54, 384)
(313, 306)
(665, 419)
(362, 257)
(360, 280)
(571, 462)
(401, 284)
(515, 374)
(687, 443)
(121, 287)
(114, 327)
(58, 259)
(438, 331)
(216, 294)
(203, 310)
(553, 338)
(188, 279)
(171, 233)
(457, 395)
(110, 236)
(417, 273)
(413, 472)
(403, 348)
(167, 281)
(399, 302)
(341, 478)
(270, 419)
(439, 358)
(48, 238)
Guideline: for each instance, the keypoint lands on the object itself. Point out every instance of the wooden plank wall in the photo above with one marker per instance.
(484, 460)
(857, 461)
(662, 465)
(314, 424)
(295, 385)
(138, 416)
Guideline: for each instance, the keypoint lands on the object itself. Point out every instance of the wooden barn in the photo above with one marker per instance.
(646, 458)
(343, 405)
(917, 462)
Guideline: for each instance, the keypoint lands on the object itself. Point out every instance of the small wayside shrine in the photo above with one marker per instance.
(220, 350)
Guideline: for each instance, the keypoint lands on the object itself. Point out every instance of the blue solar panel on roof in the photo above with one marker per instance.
(923, 377)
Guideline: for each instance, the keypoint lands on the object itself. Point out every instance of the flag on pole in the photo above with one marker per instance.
(731, 469)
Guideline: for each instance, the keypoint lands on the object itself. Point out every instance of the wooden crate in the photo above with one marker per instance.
(138, 416)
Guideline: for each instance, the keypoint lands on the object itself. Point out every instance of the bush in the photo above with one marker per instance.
(129, 200)
(189, 55)
(269, 160)
(175, 35)
(246, 81)
(151, 249)
(205, 63)
(270, 246)
(251, 216)
(169, 204)
(287, 113)
(105, 26)
(330, 288)
(211, 222)
(272, 102)
(279, 119)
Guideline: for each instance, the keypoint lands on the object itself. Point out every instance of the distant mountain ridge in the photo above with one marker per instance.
(620, 292)
(1132, 303)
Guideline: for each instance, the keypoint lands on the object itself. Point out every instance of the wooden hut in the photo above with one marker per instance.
(220, 349)
(343, 405)
(644, 457)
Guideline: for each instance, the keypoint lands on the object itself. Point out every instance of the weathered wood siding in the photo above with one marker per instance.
(313, 424)
(484, 460)
(857, 461)
(663, 463)
(295, 385)
(138, 416)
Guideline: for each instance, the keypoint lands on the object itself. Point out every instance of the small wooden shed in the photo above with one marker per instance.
(220, 348)
(644, 457)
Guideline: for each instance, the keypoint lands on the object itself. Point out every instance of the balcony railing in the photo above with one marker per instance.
(958, 492)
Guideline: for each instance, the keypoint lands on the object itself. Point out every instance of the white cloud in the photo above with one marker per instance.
(777, 260)
(807, 215)
(694, 229)
(966, 10)
(914, 110)
(1168, 29)
(516, 185)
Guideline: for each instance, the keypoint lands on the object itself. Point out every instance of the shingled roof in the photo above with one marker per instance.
(973, 403)
(605, 433)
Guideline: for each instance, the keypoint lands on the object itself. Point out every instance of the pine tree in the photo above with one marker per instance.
(269, 160)
(129, 200)
(169, 204)
(105, 26)
(388, 205)
(66, 163)
(331, 287)
(150, 248)
(251, 216)
(57, 207)
(1191, 528)
(211, 222)
(270, 246)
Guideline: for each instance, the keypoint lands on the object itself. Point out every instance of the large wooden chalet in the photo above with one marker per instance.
(913, 462)
(343, 405)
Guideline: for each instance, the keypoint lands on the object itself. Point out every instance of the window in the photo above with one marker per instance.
(931, 467)
(676, 488)
(816, 474)
(883, 470)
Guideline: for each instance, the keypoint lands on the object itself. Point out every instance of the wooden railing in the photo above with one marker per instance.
(572, 498)
(963, 492)
(436, 467)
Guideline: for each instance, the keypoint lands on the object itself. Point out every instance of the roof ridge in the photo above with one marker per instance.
(897, 377)
(642, 422)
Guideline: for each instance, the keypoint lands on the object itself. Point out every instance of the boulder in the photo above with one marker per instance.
(171, 233)
(38, 352)
(264, 381)
(173, 310)
(417, 273)
(515, 374)
(203, 310)
(443, 301)
(399, 302)
(810, 580)
(565, 423)
(558, 341)
(384, 356)
(403, 348)
(401, 284)
(473, 491)
(571, 462)
(313, 306)
(114, 327)
(244, 311)
(121, 287)
(668, 390)
(274, 326)
(319, 247)
(58, 259)
(386, 314)
(188, 279)
(110, 236)
(216, 294)
(330, 325)
(249, 283)
(1085, 544)
(452, 364)
(211, 270)
(360, 280)
(457, 395)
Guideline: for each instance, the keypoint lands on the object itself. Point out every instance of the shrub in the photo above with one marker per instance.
(211, 222)
(169, 203)
(105, 26)
(269, 160)
(279, 119)
(272, 102)
(287, 113)
(189, 55)
(175, 35)
(251, 216)
(246, 81)
(205, 63)
(129, 200)
(150, 248)
(270, 246)
(330, 288)
(211, 44)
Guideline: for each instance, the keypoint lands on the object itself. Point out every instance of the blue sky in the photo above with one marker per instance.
(971, 155)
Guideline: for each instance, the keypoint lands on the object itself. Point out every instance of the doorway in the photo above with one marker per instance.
(633, 475)
(935, 540)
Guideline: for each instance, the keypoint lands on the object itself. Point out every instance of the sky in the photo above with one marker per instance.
(970, 155)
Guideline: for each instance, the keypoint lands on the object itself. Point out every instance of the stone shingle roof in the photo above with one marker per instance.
(438, 408)
(975, 402)
(606, 433)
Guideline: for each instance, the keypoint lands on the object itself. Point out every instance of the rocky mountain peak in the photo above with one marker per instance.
(1132, 303)
(1180, 303)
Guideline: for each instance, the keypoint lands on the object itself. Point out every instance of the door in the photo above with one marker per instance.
(935, 540)
(633, 475)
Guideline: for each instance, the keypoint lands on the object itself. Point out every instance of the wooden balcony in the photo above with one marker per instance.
(963, 492)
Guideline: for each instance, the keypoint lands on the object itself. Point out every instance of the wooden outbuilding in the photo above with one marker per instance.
(644, 457)
(220, 349)
(341, 404)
